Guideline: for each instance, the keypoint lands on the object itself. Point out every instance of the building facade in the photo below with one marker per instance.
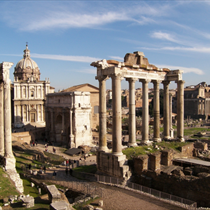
(29, 92)
(197, 101)
(68, 118)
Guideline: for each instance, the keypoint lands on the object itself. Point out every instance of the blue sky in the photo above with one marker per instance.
(65, 36)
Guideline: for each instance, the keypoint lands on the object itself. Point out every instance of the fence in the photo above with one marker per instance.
(174, 200)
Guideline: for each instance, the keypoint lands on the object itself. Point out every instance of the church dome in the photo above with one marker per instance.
(26, 67)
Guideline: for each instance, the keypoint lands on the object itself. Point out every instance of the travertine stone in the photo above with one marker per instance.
(166, 109)
(156, 109)
(145, 112)
(117, 123)
(132, 113)
(180, 110)
(53, 193)
(102, 114)
(1, 119)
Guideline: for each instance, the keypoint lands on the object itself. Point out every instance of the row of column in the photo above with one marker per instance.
(19, 112)
(116, 108)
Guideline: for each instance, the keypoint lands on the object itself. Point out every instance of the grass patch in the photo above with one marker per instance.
(192, 131)
(87, 169)
(54, 159)
(143, 150)
(7, 187)
(80, 206)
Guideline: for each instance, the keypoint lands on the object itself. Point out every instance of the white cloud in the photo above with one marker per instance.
(85, 59)
(184, 69)
(117, 58)
(163, 36)
(63, 15)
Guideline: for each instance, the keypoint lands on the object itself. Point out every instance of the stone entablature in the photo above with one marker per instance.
(68, 118)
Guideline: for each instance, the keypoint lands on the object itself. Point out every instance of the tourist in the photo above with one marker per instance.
(29, 166)
(44, 168)
(54, 173)
(70, 171)
(67, 171)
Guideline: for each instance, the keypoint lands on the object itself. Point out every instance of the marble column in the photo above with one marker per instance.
(71, 136)
(166, 109)
(170, 117)
(27, 113)
(180, 110)
(10, 160)
(156, 110)
(1, 119)
(22, 114)
(117, 121)
(132, 113)
(102, 114)
(42, 112)
(145, 111)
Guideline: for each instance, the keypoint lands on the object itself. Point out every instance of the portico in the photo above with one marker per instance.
(135, 68)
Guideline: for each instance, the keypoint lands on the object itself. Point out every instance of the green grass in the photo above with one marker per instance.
(192, 131)
(142, 150)
(87, 169)
(7, 187)
(54, 159)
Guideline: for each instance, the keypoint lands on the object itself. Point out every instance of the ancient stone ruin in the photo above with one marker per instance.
(6, 154)
(134, 68)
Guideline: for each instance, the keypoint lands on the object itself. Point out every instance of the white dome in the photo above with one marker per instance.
(27, 62)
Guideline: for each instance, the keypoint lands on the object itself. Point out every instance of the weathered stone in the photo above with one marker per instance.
(32, 184)
(88, 207)
(100, 203)
(53, 193)
(60, 205)
(28, 201)
(5, 200)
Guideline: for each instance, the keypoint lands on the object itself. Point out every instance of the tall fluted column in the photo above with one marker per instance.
(102, 115)
(156, 109)
(10, 160)
(145, 111)
(116, 108)
(71, 136)
(180, 110)
(1, 119)
(132, 113)
(170, 117)
(166, 109)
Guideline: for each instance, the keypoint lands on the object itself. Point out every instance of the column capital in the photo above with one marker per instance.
(102, 78)
(145, 80)
(166, 82)
(156, 81)
(117, 76)
(180, 82)
(131, 79)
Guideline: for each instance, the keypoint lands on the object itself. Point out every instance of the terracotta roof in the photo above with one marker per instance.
(76, 87)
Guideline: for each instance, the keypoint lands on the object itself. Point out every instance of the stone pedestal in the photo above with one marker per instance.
(154, 160)
(141, 164)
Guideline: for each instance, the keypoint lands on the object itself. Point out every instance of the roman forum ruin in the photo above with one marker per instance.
(134, 68)
(6, 155)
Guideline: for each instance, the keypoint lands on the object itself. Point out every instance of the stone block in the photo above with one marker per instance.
(140, 163)
(53, 193)
(28, 201)
(60, 205)
(154, 161)
(100, 203)
(166, 157)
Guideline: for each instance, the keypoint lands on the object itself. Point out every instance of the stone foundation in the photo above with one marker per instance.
(154, 161)
(141, 163)
(112, 165)
(166, 157)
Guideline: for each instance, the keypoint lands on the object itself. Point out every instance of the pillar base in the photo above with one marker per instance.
(10, 163)
(157, 139)
(117, 153)
(147, 142)
(181, 139)
(166, 137)
(132, 144)
(103, 148)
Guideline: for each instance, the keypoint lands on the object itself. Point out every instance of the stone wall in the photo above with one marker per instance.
(188, 187)
(167, 157)
(140, 164)
(186, 151)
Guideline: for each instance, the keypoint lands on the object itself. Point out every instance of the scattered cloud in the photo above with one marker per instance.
(85, 59)
(118, 58)
(45, 16)
(164, 36)
(184, 69)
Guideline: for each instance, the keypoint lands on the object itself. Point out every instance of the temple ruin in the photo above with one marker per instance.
(134, 68)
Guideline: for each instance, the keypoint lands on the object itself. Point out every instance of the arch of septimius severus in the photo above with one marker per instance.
(6, 155)
(134, 68)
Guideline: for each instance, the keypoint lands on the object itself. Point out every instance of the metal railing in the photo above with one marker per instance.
(172, 199)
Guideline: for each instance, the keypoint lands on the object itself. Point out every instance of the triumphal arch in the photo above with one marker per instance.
(135, 68)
